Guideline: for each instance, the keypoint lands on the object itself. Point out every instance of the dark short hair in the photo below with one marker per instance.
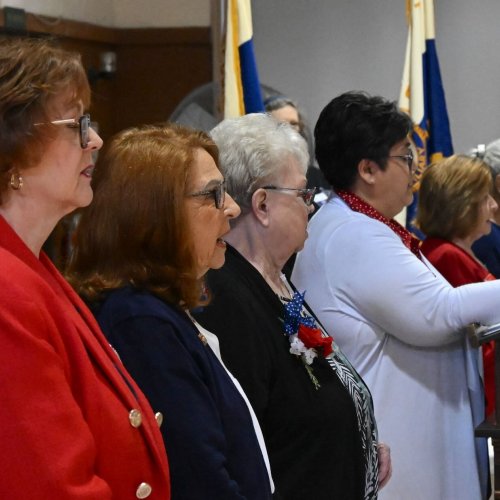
(356, 126)
(134, 232)
(450, 195)
(33, 72)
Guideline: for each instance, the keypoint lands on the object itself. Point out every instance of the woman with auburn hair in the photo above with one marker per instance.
(456, 208)
(74, 424)
(141, 252)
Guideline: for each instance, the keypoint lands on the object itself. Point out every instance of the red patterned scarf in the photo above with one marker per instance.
(358, 205)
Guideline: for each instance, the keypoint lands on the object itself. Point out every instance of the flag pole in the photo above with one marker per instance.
(422, 95)
(218, 9)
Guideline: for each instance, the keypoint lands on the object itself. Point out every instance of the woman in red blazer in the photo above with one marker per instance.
(455, 209)
(74, 424)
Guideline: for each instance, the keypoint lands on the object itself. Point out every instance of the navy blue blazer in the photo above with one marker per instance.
(211, 444)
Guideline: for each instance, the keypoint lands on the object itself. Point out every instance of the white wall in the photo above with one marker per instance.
(122, 13)
(469, 52)
(315, 49)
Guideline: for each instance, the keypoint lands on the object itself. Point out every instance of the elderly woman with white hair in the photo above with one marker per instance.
(314, 409)
(487, 248)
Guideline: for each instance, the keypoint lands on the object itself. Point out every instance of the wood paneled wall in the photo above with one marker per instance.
(156, 67)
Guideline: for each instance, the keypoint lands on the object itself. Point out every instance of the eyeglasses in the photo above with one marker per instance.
(82, 123)
(218, 193)
(408, 158)
(306, 194)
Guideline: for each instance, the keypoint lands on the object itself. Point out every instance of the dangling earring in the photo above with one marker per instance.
(16, 181)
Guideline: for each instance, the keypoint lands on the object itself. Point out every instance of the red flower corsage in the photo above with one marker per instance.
(306, 339)
(313, 339)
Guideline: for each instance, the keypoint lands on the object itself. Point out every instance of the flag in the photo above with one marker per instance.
(242, 93)
(422, 93)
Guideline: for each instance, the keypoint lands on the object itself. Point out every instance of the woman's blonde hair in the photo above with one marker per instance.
(450, 195)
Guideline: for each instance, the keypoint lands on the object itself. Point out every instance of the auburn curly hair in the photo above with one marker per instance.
(135, 230)
(33, 72)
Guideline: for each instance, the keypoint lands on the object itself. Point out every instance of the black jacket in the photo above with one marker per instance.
(311, 435)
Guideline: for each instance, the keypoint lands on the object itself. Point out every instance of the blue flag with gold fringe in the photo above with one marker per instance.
(242, 93)
(422, 94)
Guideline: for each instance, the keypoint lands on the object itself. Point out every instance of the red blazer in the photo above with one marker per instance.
(66, 430)
(455, 264)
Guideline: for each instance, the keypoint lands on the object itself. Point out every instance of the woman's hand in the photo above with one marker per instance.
(384, 464)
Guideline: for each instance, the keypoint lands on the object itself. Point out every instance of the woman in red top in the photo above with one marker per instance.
(75, 426)
(455, 209)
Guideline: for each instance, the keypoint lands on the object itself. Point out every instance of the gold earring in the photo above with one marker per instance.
(16, 181)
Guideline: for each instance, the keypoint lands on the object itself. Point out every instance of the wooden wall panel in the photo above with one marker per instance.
(160, 80)
(156, 68)
(102, 109)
